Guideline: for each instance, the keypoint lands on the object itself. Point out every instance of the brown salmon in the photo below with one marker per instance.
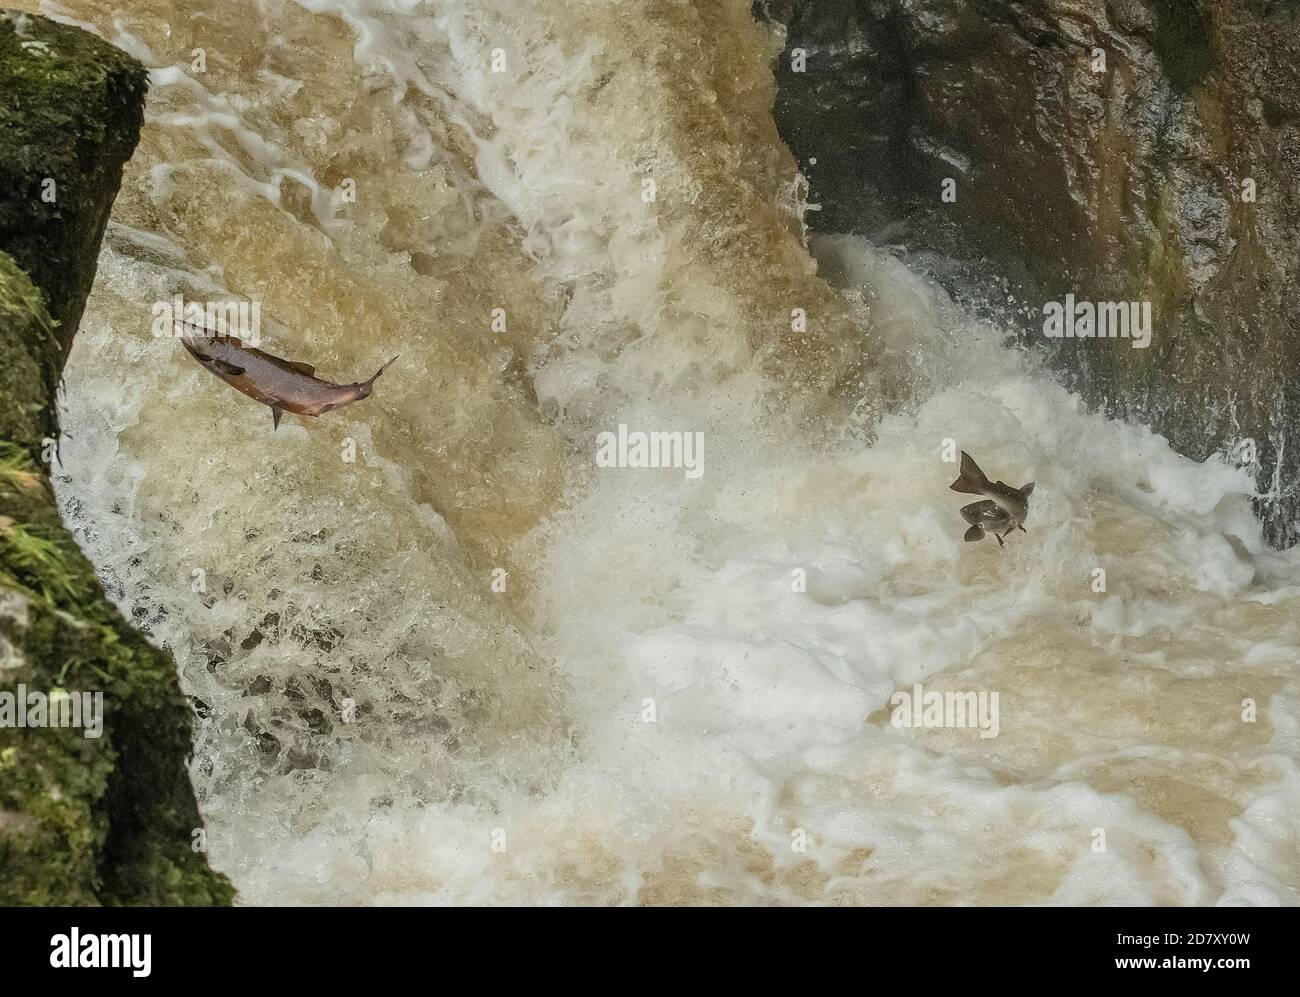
(1004, 509)
(283, 385)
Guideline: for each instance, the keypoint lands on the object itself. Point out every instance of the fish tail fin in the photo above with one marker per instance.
(971, 480)
(382, 369)
(974, 533)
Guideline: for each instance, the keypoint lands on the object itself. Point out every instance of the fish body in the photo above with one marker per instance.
(1004, 508)
(283, 385)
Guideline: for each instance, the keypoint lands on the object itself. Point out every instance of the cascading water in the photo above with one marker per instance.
(440, 656)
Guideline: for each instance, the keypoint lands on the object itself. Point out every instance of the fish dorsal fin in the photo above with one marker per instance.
(302, 368)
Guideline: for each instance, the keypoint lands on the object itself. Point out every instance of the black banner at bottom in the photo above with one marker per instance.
(138, 947)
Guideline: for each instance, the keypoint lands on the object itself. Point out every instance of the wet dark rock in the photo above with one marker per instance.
(62, 157)
(1124, 184)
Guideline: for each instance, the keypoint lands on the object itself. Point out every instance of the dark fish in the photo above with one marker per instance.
(1004, 510)
(284, 385)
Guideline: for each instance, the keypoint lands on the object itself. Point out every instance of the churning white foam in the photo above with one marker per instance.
(761, 692)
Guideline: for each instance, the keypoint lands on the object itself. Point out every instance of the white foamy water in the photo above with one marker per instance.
(683, 696)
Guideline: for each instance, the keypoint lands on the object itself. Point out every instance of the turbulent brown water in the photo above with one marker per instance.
(683, 692)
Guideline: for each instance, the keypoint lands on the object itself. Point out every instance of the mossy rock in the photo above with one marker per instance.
(29, 360)
(83, 820)
(70, 118)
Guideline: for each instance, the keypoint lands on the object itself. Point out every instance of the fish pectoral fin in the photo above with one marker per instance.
(276, 412)
(302, 368)
(234, 370)
(976, 532)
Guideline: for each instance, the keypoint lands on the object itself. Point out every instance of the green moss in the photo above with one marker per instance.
(17, 472)
(29, 553)
(29, 361)
(1183, 42)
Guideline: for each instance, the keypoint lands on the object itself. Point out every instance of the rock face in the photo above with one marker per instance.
(87, 814)
(1121, 150)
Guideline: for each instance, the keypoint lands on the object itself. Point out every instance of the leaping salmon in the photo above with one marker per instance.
(283, 385)
(1004, 510)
